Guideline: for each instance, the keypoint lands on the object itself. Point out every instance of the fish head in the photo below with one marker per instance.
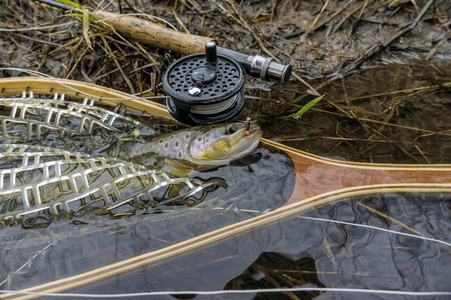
(219, 144)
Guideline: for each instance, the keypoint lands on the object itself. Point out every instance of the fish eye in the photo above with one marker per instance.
(231, 130)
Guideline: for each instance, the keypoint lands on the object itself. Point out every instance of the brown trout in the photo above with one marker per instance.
(41, 183)
(195, 148)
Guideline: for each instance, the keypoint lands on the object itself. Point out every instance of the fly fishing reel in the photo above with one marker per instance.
(205, 88)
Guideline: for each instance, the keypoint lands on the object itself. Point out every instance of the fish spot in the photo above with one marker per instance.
(161, 141)
(166, 145)
(199, 139)
(187, 136)
(180, 154)
(176, 144)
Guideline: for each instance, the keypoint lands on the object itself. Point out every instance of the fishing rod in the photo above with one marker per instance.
(206, 86)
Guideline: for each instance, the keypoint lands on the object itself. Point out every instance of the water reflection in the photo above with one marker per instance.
(311, 250)
(273, 270)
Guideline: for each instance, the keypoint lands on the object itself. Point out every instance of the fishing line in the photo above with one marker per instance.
(250, 109)
(147, 91)
(377, 228)
(225, 292)
(28, 262)
(37, 28)
(248, 119)
(66, 7)
(236, 209)
(252, 97)
(98, 6)
(350, 224)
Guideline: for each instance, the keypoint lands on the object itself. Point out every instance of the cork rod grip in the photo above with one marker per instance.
(154, 34)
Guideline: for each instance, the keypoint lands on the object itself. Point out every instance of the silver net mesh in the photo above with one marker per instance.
(29, 118)
(37, 179)
(39, 182)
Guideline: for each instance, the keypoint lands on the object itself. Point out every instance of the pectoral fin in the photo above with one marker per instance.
(178, 168)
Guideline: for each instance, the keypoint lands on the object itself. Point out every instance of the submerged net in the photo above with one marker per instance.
(46, 171)
(30, 118)
(41, 182)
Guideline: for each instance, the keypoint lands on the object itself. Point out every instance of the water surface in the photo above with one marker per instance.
(299, 251)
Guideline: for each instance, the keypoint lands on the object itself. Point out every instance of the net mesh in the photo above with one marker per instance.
(28, 118)
(37, 181)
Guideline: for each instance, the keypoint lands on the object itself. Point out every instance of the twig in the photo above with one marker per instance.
(273, 11)
(353, 11)
(34, 39)
(354, 25)
(111, 54)
(422, 88)
(178, 19)
(304, 83)
(391, 219)
(365, 125)
(422, 153)
(387, 119)
(80, 56)
(322, 10)
(321, 24)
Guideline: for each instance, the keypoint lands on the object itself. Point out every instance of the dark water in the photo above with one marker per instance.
(311, 250)
(392, 113)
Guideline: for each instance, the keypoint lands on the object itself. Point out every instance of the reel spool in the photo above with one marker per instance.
(205, 88)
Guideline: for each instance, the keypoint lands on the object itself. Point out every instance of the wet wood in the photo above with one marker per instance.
(327, 180)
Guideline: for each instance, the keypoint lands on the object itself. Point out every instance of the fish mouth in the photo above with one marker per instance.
(252, 146)
(249, 144)
(253, 133)
(251, 128)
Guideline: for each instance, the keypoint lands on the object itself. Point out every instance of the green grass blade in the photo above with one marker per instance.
(306, 107)
(136, 135)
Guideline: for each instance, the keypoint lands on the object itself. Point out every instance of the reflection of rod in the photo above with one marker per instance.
(159, 36)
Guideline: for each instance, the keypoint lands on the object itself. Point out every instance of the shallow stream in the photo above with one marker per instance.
(340, 245)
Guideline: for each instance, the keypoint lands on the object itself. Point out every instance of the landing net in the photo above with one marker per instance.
(44, 175)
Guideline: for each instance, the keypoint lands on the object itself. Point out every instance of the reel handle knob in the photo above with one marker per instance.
(211, 52)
